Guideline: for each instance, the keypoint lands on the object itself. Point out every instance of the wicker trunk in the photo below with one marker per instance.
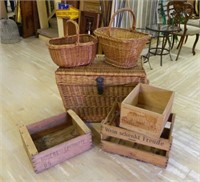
(91, 90)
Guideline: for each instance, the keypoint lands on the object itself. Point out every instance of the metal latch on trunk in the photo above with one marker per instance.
(100, 85)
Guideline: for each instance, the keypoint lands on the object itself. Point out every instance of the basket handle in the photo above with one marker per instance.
(77, 30)
(119, 11)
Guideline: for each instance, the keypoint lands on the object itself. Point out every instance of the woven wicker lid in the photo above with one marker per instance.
(99, 66)
(9, 31)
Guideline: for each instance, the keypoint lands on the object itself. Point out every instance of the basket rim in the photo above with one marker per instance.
(99, 32)
(92, 42)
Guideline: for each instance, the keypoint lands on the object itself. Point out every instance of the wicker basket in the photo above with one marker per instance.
(75, 50)
(91, 90)
(122, 47)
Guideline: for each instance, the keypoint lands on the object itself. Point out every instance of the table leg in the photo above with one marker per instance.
(147, 56)
(157, 43)
(164, 41)
(169, 42)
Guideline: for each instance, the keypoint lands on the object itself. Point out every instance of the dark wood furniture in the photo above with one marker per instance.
(179, 16)
(70, 28)
(89, 22)
(30, 20)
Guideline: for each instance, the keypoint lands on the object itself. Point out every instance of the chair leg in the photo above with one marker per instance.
(170, 46)
(195, 43)
(182, 39)
(146, 59)
(180, 46)
(173, 40)
(186, 38)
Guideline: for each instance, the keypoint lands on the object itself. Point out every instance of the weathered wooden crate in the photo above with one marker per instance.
(53, 140)
(146, 110)
(136, 145)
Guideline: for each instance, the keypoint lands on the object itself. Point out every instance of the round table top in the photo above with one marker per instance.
(163, 28)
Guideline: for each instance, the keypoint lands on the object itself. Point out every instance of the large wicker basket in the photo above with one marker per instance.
(122, 47)
(75, 50)
(91, 90)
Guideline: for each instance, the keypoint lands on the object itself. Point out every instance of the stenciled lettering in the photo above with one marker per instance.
(62, 150)
(110, 130)
(131, 136)
(154, 141)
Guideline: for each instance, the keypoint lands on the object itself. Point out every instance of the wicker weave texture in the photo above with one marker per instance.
(75, 50)
(122, 47)
(78, 88)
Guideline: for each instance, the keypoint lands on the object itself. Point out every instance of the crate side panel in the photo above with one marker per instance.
(78, 123)
(47, 123)
(62, 152)
(154, 97)
(135, 153)
(141, 121)
(27, 142)
(42, 165)
(132, 136)
(168, 109)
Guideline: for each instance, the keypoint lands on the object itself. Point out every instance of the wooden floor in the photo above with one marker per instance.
(28, 93)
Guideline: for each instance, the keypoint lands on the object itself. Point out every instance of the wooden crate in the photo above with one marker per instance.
(53, 140)
(110, 127)
(135, 145)
(146, 110)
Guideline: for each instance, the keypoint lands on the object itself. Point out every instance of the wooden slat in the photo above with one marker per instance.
(160, 143)
(28, 142)
(135, 153)
(81, 126)
(62, 152)
(80, 139)
(47, 123)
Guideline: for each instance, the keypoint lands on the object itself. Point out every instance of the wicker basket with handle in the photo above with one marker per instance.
(75, 50)
(122, 47)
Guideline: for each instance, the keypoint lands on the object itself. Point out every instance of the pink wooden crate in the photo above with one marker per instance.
(56, 139)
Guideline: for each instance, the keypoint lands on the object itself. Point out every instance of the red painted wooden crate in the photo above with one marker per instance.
(53, 140)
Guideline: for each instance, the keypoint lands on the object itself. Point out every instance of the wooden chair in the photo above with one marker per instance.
(195, 21)
(179, 16)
